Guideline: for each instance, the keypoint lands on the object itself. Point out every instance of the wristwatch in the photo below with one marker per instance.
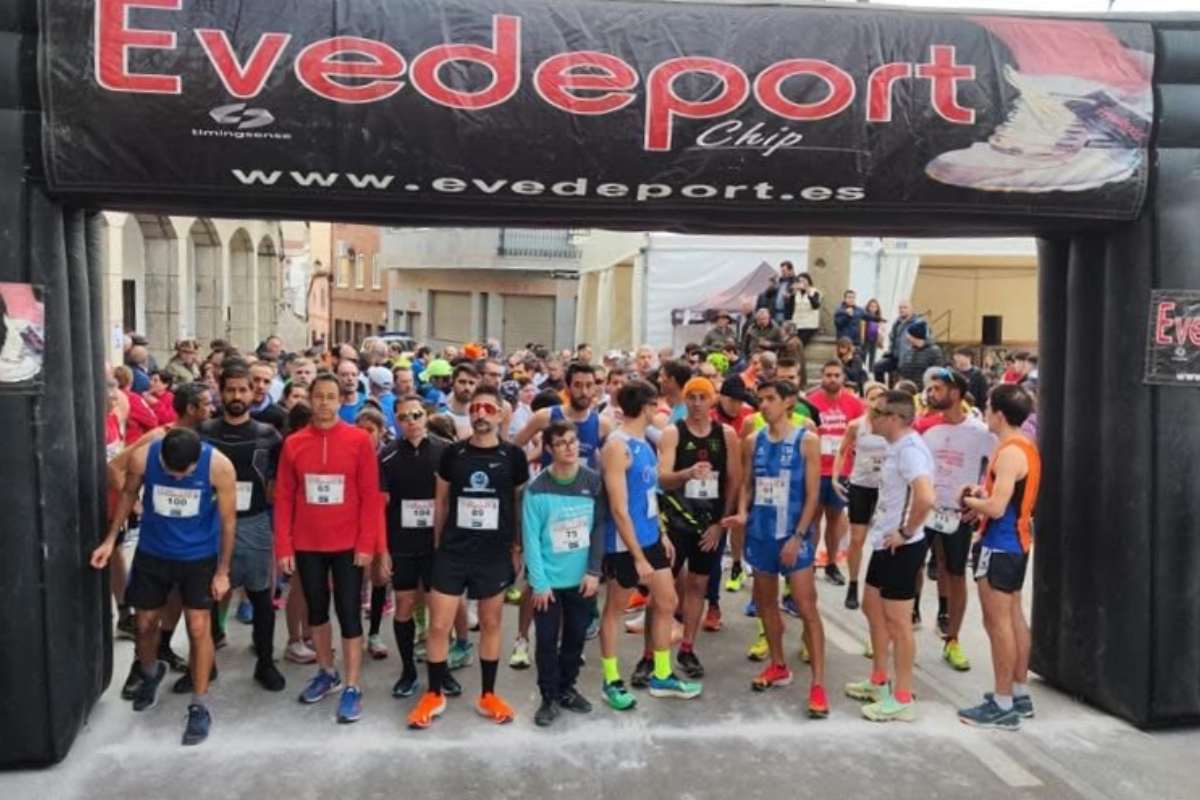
(903, 535)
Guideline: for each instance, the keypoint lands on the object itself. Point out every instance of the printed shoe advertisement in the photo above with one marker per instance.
(632, 113)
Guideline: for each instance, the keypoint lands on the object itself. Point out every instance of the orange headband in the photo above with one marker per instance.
(699, 385)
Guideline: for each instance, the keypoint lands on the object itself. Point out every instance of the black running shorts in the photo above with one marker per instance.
(862, 504)
(453, 574)
(687, 550)
(409, 572)
(1005, 572)
(956, 547)
(152, 578)
(895, 574)
(619, 566)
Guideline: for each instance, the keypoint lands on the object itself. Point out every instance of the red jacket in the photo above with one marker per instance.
(327, 496)
(164, 408)
(141, 418)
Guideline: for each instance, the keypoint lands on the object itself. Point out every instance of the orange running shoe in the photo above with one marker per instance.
(712, 618)
(491, 706)
(429, 707)
(818, 705)
(637, 601)
(773, 675)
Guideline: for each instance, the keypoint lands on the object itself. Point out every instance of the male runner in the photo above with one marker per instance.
(464, 380)
(491, 375)
(635, 551)
(263, 407)
(478, 550)
(328, 523)
(838, 407)
(408, 472)
(778, 503)
(699, 471)
(897, 538)
(563, 509)
(1006, 503)
(961, 446)
(186, 541)
(253, 448)
(867, 449)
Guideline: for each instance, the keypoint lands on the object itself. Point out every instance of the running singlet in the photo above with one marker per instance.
(588, 433)
(960, 454)
(641, 487)
(870, 449)
(179, 518)
(778, 495)
(836, 415)
(1013, 532)
(758, 421)
(697, 504)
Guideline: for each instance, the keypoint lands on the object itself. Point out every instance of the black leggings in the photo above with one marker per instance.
(264, 623)
(315, 570)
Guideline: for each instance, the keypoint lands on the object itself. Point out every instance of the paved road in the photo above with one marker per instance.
(731, 744)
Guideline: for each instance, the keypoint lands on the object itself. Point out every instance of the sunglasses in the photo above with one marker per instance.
(411, 416)
(483, 408)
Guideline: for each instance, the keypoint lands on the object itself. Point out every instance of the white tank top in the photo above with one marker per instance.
(870, 449)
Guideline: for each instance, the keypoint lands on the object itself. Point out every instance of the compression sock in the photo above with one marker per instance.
(662, 664)
(437, 675)
(378, 598)
(264, 624)
(488, 670)
(612, 672)
(406, 634)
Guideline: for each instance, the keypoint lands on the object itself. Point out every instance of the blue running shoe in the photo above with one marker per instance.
(461, 655)
(671, 686)
(198, 723)
(245, 612)
(751, 609)
(989, 715)
(350, 706)
(789, 607)
(321, 684)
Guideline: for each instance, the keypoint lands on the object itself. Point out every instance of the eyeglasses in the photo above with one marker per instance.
(565, 443)
(411, 416)
(483, 408)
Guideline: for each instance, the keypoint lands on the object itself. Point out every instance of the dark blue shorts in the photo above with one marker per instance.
(829, 498)
(763, 555)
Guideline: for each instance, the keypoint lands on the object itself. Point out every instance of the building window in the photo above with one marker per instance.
(343, 272)
(360, 265)
(376, 278)
(451, 316)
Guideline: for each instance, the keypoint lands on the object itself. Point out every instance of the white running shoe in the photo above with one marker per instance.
(473, 614)
(1062, 135)
(300, 653)
(636, 624)
(520, 654)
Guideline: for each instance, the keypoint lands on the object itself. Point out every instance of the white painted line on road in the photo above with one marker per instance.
(1002, 765)
(845, 642)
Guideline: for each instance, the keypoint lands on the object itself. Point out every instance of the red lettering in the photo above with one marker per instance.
(321, 62)
(944, 75)
(768, 88)
(114, 39)
(663, 104)
(1194, 332)
(1163, 322)
(879, 89)
(503, 60)
(243, 82)
(557, 81)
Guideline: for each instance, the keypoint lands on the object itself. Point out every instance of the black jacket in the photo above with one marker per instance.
(766, 299)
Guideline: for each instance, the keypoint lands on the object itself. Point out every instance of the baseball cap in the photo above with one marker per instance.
(438, 368)
(380, 376)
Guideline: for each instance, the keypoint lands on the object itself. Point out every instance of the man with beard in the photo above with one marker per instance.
(464, 380)
(491, 374)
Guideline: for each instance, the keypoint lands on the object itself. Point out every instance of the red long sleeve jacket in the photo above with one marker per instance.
(327, 496)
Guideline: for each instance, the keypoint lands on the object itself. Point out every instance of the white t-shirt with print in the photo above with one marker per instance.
(908, 458)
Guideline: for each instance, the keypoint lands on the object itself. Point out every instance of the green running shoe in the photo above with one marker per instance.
(618, 697)
(674, 686)
(866, 691)
(889, 709)
(952, 654)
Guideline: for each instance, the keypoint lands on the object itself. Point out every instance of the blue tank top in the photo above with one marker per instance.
(776, 507)
(641, 485)
(179, 520)
(588, 432)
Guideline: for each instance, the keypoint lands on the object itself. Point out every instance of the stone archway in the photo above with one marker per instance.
(158, 310)
(204, 263)
(239, 310)
(269, 264)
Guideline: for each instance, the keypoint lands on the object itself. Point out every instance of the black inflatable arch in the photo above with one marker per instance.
(1118, 553)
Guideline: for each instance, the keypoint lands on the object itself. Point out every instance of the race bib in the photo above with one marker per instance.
(985, 561)
(416, 514)
(325, 490)
(944, 520)
(569, 535)
(830, 444)
(770, 492)
(245, 493)
(652, 503)
(479, 513)
(703, 488)
(172, 502)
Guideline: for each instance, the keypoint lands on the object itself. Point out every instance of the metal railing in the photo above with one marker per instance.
(940, 333)
(537, 243)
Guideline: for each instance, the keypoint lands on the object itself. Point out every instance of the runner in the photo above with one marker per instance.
(1006, 503)
(253, 449)
(961, 446)
(478, 550)
(491, 375)
(185, 543)
(351, 395)
(328, 523)
(897, 538)
(464, 380)
(778, 503)
(700, 474)
(838, 407)
(866, 449)
(635, 552)
(407, 472)
(263, 408)
(564, 546)
(734, 406)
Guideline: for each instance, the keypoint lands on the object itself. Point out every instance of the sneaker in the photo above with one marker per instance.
(867, 692)
(376, 648)
(513, 596)
(220, 639)
(473, 614)
(406, 686)
(943, 624)
(952, 654)
(671, 686)
(175, 662)
(421, 618)
(420, 652)
(759, 650)
(491, 706)
(146, 696)
(321, 684)
(637, 601)
(245, 612)
(546, 714)
(298, 652)
(593, 629)
(350, 705)
(834, 575)
(750, 610)
(818, 704)
(126, 626)
(428, 708)
(789, 607)
(989, 715)
(852, 596)
(520, 654)
(916, 618)
(889, 709)
(690, 665)
(641, 674)
(618, 697)
(451, 687)
(129, 689)
(198, 723)
(712, 618)
(1022, 704)
(637, 624)
(773, 675)
(736, 578)
(572, 700)
(185, 686)
(268, 676)
(868, 648)
(461, 655)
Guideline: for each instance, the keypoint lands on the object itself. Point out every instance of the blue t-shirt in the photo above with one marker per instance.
(349, 411)
(778, 494)
(641, 486)
(179, 518)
